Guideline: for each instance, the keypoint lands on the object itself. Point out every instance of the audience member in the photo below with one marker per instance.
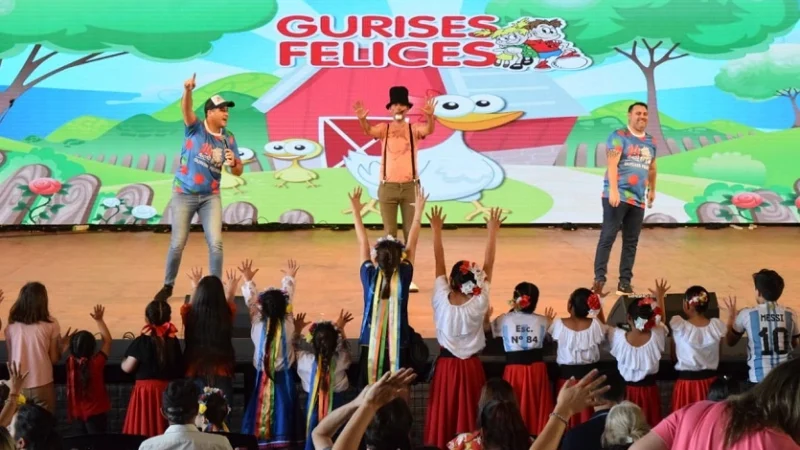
(495, 389)
(587, 436)
(625, 425)
(213, 411)
(179, 406)
(34, 428)
(724, 387)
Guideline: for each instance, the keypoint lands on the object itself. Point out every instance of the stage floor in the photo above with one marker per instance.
(124, 270)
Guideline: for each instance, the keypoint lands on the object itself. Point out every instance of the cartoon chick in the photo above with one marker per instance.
(294, 150)
(231, 181)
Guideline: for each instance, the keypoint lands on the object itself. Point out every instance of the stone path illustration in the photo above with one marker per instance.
(576, 195)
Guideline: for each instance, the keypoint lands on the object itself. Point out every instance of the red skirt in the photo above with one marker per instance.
(687, 392)
(453, 399)
(582, 416)
(533, 391)
(144, 409)
(649, 399)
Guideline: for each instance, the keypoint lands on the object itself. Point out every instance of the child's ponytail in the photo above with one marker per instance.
(273, 304)
(81, 348)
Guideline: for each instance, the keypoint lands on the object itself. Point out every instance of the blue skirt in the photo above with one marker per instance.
(272, 411)
(338, 400)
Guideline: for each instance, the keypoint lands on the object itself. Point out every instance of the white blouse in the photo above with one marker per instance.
(305, 365)
(520, 331)
(250, 293)
(697, 348)
(578, 347)
(636, 363)
(459, 328)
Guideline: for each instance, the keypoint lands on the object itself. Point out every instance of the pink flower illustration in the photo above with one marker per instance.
(747, 200)
(44, 186)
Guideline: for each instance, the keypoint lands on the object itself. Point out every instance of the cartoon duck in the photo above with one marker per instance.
(294, 150)
(231, 181)
(450, 171)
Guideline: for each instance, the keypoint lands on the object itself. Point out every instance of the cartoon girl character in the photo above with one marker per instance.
(546, 38)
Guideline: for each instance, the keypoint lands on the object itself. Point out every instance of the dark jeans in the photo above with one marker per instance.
(628, 218)
(93, 425)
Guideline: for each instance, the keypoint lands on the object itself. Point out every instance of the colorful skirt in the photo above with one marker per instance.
(272, 412)
(578, 371)
(692, 387)
(338, 400)
(144, 409)
(453, 398)
(534, 393)
(645, 394)
(363, 365)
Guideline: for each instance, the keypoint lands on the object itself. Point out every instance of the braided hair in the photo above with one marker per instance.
(274, 304)
(325, 340)
(81, 349)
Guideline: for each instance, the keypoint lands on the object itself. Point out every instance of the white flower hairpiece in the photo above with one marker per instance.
(472, 288)
(698, 299)
(640, 323)
(388, 237)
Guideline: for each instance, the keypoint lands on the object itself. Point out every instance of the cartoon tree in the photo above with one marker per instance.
(763, 76)
(97, 30)
(704, 29)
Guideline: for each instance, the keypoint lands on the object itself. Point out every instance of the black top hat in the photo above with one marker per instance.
(398, 95)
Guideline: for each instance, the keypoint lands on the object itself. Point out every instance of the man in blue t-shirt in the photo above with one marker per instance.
(629, 185)
(206, 148)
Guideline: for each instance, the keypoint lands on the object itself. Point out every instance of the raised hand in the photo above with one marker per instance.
(430, 106)
(597, 288)
(436, 218)
(65, 339)
(729, 304)
(576, 396)
(195, 276)
(495, 219)
(344, 318)
(232, 281)
(15, 379)
(389, 387)
(355, 201)
(97, 314)
(361, 113)
(291, 268)
(550, 314)
(420, 198)
(300, 322)
(661, 289)
(190, 84)
(247, 270)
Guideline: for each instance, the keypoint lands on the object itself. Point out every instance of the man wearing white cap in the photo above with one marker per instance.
(207, 146)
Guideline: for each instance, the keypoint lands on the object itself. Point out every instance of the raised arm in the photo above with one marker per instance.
(289, 281)
(430, 106)
(231, 286)
(195, 275)
(361, 232)
(437, 223)
(413, 233)
(249, 288)
(660, 292)
(372, 131)
(493, 225)
(14, 384)
(613, 154)
(189, 117)
(733, 335)
(97, 315)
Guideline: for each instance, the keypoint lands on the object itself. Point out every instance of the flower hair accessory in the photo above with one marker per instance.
(520, 303)
(313, 328)
(699, 299)
(289, 308)
(594, 303)
(472, 288)
(203, 400)
(646, 324)
(387, 238)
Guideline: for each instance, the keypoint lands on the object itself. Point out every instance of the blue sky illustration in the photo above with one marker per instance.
(121, 87)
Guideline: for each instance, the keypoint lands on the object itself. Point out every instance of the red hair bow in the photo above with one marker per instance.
(163, 330)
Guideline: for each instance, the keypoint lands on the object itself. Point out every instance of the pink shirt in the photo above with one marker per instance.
(29, 347)
(701, 426)
(398, 150)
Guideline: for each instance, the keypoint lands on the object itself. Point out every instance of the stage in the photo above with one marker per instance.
(123, 270)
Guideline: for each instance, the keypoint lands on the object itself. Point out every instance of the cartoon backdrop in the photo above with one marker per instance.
(528, 92)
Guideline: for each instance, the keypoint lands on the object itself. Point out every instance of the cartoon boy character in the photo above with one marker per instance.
(510, 45)
(546, 38)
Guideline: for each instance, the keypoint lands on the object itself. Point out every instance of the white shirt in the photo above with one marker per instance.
(459, 328)
(520, 331)
(186, 437)
(770, 328)
(305, 365)
(636, 363)
(697, 348)
(578, 347)
(250, 293)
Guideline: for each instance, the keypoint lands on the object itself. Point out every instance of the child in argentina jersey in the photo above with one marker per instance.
(637, 152)
(771, 329)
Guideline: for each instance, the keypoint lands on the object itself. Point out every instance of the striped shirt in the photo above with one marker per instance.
(770, 329)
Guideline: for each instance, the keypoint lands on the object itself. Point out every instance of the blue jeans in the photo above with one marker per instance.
(184, 207)
(629, 219)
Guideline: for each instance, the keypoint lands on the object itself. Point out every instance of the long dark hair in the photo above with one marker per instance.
(529, 289)
(81, 349)
(31, 305)
(502, 427)
(701, 294)
(390, 427)
(773, 403)
(158, 313)
(325, 340)
(459, 277)
(579, 302)
(274, 303)
(209, 328)
(495, 389)
(388, 256)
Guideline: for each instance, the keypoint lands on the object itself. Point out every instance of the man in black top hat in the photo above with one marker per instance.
(399, 178)
(207, 146)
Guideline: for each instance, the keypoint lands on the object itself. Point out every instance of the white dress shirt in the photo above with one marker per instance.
(186, 437)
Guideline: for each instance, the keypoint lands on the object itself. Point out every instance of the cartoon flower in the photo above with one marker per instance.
(111, 202)
(44, 186)
(797, 202)
(144, 212)
(747, 200)
(199, 178)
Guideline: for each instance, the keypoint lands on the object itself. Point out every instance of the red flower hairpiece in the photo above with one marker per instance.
(594, 302)
(465, 267)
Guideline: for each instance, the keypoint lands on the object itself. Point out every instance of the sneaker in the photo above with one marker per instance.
(624, 288)
(164, 294)
(413, 287)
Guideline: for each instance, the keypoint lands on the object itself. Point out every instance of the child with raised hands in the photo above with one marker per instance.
(212, 412)
(273, 407)
(579, 338)
(11, 393)
(460, 304)
(386, 273)
(87, 399)
(696, 347)
(638, 350)
(322, 372)
(523, 333)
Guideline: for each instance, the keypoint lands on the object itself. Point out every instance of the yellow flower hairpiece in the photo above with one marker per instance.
(202, 409)
(21, 400)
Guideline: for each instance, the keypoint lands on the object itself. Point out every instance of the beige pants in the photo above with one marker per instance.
(392, 195)
(44, 396)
